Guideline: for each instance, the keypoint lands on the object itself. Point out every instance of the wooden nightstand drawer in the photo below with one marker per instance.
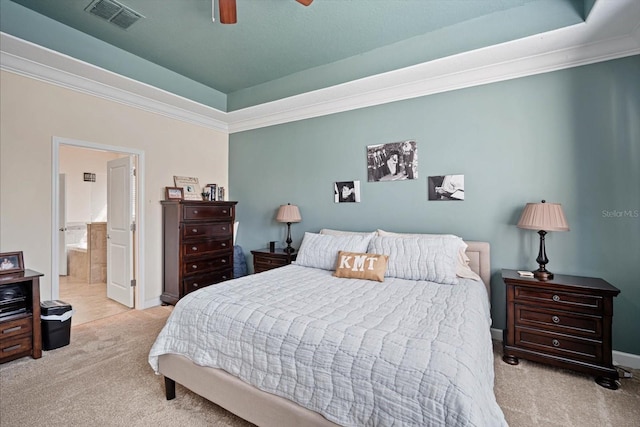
(559, 321)
(264, 260)
(207, 246)
(560, 300)
(562, 345)
(207, 212)
(192, 230)
(198, 282)
(15, 327)
(207, 264)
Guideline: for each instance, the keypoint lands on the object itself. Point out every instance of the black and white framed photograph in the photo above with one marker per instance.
(346, 191)
(394, 161)
(446, 187)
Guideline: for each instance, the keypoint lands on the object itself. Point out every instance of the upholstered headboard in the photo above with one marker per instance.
(479, 254)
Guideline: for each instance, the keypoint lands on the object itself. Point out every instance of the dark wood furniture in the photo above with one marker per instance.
(564, 322)
(197, 246)
(20, 333)
(264, 259)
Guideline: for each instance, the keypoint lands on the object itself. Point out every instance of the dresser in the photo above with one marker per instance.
(264, 259)
(564, 322)
(197, 246)
(20, 333)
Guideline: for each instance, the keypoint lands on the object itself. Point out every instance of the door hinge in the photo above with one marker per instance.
(133, 226)
(133, 283)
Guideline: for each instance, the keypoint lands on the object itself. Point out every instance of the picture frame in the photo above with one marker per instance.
(11, 262)
(173, 193)
(213, 192)
(190, 187)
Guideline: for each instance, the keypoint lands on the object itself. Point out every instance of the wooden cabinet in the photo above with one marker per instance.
(564, 322)
(264, 259)
(20, 333)
(197, 246)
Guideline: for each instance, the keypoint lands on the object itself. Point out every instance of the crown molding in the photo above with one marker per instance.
(593, 41)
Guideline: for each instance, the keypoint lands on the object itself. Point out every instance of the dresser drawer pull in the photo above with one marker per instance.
(9, 330)
(195, 230)
(224, 228)
(195, 212)
(224, 211)
(555, 319)
(13, 347)
(223, 261)
(224, 277)
(194, 267)
(195, 285)
(224, 245)
(556, 298)
(194, 248)
(555, 343)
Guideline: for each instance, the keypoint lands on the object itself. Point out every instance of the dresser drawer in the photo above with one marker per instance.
(12, 347)
(15, 327)
(201, 281)
(203, 247)
(560, 300)
(560, 321)
(207, 264)
(192, 213)
(267, 263)
(196, 230)
(574, 348)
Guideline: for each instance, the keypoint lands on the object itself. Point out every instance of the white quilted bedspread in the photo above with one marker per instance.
(361, 353)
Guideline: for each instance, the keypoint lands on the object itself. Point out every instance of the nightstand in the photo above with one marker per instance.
(264, 259)
(564, 322)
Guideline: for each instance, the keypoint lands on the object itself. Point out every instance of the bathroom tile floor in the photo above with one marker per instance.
(89, 300)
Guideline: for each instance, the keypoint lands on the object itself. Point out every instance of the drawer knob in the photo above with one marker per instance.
(195, 212)
(555, 343)
(268, 261)
(556, 298)
(224, 277)
(555, 319)
(224, 228)
(224, 245)
(194, 248)
(195, 285)
(195, 230)
(223, 261)
(194, 266)
(224, 211)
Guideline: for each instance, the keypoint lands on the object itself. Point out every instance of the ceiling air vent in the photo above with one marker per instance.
(114, 12)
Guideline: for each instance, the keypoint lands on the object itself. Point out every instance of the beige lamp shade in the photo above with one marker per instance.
(288, 213)
(543, 216)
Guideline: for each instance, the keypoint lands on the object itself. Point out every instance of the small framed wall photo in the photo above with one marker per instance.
(11, 262)
(173, 193)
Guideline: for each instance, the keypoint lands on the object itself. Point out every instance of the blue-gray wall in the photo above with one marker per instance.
(570, 136)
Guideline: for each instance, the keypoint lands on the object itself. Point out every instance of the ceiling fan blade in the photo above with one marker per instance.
(228, 11)
(305, 2)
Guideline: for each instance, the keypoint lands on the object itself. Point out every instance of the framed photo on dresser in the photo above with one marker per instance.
(190, 187)
(173, 193)
(11, 262)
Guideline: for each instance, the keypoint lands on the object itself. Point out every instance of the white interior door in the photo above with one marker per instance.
(119, 231)
(62, 225)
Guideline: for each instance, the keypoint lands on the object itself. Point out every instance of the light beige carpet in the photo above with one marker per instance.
(103, 379)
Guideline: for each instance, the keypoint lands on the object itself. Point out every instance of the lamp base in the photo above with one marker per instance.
(542, 274)
(289, 249)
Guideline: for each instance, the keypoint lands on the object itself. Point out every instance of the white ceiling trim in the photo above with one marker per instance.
(612, 31)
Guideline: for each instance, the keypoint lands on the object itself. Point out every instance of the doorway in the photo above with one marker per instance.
(82, 186)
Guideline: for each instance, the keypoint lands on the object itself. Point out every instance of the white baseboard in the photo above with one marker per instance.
(627, 360)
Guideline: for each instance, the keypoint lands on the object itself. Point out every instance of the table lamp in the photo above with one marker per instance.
(288, 213)
(543, 217)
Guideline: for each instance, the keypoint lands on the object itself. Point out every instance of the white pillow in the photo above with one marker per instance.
(342, 233)
(420, 258)
(321, 250)
(462, 267)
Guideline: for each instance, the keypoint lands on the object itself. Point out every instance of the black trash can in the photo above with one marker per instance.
(55, 319)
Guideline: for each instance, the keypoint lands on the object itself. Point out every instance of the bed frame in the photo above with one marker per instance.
(259, 407)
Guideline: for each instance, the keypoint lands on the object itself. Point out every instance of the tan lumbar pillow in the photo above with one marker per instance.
(355, 265)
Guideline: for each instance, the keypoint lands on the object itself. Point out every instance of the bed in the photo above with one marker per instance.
(298, 346)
